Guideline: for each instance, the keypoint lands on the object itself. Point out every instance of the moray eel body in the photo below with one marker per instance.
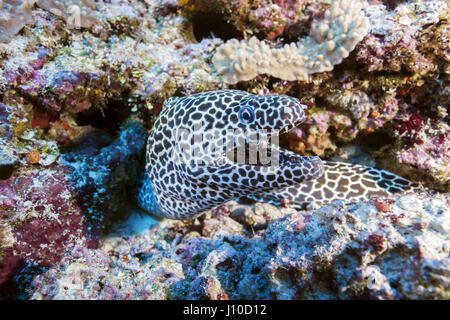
(201, 153)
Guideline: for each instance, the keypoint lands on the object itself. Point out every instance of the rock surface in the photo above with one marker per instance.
(386, 249)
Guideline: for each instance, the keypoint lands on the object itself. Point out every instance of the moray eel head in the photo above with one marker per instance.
(208, 148)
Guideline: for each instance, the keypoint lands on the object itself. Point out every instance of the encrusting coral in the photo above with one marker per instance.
(330, 41)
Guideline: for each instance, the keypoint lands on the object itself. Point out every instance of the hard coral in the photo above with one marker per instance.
(358, 103)
(329, 42)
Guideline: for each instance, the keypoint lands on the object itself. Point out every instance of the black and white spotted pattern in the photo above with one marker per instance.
(340, 181)
(182, 184)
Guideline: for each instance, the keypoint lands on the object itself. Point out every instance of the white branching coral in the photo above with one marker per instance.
(15, 14)
(330, 41)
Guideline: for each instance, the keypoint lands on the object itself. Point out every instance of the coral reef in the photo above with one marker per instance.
(426, 148)
(14, 15)
(329, 42)
(46, 211)
(358, 103)
(382, 250)
(103, 173)
(77, 13)
(76, 105)
(8, 161)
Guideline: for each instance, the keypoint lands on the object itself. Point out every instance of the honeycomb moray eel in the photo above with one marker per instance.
(193, 163)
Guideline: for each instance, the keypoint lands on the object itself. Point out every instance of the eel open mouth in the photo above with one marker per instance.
(265, 152)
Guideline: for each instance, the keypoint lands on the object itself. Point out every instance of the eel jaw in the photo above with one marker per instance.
(263, 153)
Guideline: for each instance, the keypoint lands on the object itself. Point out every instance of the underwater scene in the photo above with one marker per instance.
(224, 149)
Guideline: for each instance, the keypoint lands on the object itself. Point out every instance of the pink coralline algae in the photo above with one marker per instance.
(427, 147)
(39, 220)
(44, 215)
(270, 18)
(65, 87)
(315, 135)
(47, 211)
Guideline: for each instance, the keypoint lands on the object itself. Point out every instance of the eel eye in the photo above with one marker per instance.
(246, 115)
